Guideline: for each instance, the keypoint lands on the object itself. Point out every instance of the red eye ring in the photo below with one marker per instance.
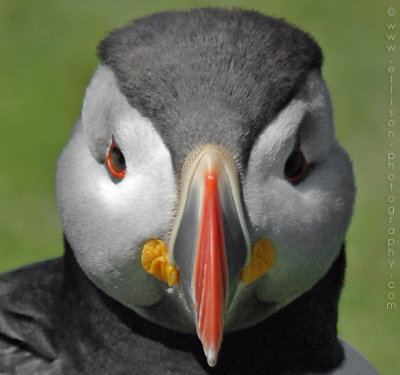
(115, 161)
(296, 166)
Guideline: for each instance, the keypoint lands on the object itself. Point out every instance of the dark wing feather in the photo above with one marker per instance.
(27, 297)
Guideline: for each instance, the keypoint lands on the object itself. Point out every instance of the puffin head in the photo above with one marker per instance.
(203, 186)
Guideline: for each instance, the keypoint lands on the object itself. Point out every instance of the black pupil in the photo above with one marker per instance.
(117, 159)
(294, 164)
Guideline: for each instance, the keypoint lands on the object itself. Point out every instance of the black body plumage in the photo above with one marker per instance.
(53, 320)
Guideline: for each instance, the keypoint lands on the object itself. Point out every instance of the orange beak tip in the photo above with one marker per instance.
(212, 356)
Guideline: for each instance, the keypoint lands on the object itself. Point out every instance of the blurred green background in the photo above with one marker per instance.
(48, 53)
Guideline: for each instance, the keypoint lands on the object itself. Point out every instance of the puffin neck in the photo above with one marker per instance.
(300, 338)
(107, 324)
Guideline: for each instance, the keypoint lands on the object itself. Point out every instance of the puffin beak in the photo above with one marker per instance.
(209, 243)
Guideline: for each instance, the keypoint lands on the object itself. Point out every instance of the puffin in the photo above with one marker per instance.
(204, 201)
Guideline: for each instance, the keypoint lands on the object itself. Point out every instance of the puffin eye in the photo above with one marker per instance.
(115, 161)
(296, 166)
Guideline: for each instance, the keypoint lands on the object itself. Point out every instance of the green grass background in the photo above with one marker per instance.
(47, 56)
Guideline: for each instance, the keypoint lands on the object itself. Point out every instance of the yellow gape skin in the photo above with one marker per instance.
(261, 261)
(155, 262)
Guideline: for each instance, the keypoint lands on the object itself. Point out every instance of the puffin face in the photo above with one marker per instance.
(193, 192)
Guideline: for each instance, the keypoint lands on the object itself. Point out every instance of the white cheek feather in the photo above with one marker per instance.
(149, 181)
(108, 221)
(278, 139)
(307, 222)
